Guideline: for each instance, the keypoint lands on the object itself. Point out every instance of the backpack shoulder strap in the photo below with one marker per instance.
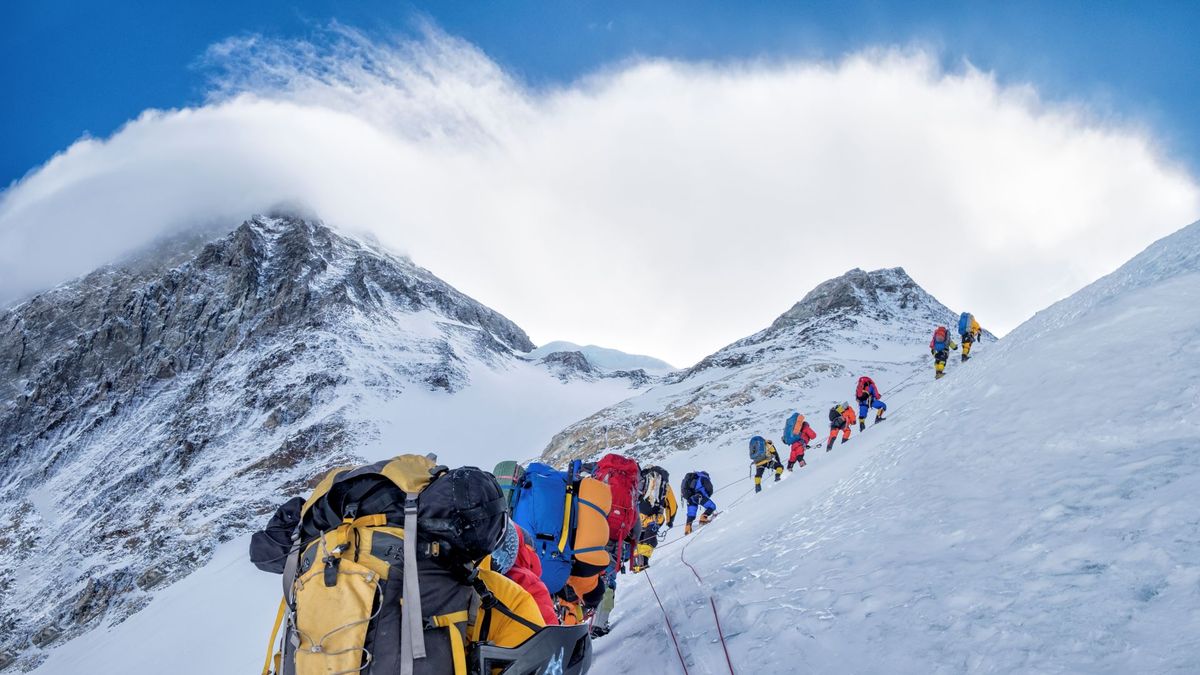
(489, 601)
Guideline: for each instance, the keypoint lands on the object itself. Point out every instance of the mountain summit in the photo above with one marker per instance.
(880, 294)
(811, 352)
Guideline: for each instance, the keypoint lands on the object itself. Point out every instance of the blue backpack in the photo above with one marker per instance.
(758, 449)
(964, 323)
(540, 506)
(788, 436)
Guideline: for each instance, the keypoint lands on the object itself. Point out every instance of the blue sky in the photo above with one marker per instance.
(519, 149)
(69, 67)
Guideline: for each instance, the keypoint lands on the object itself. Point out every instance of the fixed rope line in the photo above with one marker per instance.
(738, 500)
(731, 484)
(897, 387)
(670, 628)
(700, 580)
(712, 603)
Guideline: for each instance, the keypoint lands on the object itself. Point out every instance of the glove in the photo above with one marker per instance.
(932, 351)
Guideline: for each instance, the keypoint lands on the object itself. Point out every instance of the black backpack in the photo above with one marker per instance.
(353, 556)
(688, 488)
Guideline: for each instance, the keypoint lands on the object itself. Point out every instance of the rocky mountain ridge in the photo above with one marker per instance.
(158, 407)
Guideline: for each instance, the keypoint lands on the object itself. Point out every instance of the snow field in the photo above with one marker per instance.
(1033, 512)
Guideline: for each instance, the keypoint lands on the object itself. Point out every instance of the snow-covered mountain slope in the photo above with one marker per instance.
(1035, 511)
(156, 408)
(840, 328)
(862, 323)
(604, 358)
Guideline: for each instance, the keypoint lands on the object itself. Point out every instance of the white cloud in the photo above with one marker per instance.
(659, 207)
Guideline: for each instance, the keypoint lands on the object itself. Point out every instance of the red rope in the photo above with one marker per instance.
(670, 628)
(712, 602)
(721, 633)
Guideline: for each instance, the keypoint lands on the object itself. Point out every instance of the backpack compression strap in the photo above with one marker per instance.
(285, 603)
(272, 655)
(458, 649)
(412, 632)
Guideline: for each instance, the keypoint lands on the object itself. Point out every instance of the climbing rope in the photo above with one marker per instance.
(899, 386)
(739, 499)
(670, 628)
(730, 484)
(711, 601)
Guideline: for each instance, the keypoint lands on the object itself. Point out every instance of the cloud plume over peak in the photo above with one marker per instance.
(660, 207)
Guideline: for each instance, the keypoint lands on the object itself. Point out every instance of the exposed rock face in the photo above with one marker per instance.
(569, 363)
(878, 294)
(573, 365)
(881, 318)
(152, 410)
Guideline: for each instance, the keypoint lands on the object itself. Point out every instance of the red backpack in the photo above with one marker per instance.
(864, 386)
(623, 477)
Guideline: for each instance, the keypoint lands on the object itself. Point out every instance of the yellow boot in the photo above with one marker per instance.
(687, 528)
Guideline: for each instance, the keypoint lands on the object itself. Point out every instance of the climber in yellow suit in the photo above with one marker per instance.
(969, 332)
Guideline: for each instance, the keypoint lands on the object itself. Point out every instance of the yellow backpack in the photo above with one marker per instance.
(351, 602)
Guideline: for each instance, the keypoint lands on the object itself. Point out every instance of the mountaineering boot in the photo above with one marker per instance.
(938, 375)
(963, 357)
(704, 518)
(687, 529)
(862, 424)
(600, 631)
(844, 439)
(778, 476)
(802, 463)
(757, 488)
(880, 418)
(829, 445)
